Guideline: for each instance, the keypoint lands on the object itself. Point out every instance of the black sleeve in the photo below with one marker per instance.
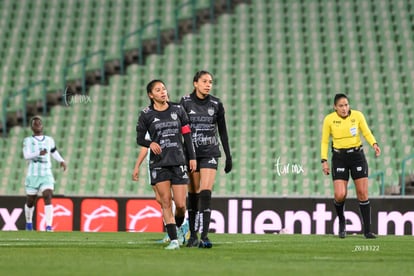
(222, 128)
(188, 142)
(141, 129)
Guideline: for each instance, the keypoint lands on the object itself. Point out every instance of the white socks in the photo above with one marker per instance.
(49, 214)
(28, 213)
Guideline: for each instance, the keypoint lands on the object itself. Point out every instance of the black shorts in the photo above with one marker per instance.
(207, 163)
(354, 162)
(176, 174)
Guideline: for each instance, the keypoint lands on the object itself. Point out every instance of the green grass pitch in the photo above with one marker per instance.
(79, 253)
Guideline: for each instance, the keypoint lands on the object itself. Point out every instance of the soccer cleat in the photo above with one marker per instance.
(182, 232)
(29, 226)
(205, 243)
(173, 245)
(180, 236)
(166, 239)
(370, 235)
(342, 231)
(185, 227)
(192, 242)
(49, 228)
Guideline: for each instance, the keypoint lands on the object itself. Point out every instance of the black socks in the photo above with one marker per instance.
(340, 210)
(365, 208)
(205, 211)
(192, 208)
(172, 231)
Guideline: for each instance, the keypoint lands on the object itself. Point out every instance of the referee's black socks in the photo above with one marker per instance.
(205, 209)
(340, 210)
(365, 208)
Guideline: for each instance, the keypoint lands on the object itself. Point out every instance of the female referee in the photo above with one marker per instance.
(167, 125)
(345, 126)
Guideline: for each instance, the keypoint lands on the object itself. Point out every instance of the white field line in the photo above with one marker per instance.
(26, 242)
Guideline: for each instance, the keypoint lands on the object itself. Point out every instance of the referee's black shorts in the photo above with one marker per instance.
(344, 162)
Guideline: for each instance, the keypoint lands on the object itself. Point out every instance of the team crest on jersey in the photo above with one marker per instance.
(154, 174)
(174, 116)
(210, 111)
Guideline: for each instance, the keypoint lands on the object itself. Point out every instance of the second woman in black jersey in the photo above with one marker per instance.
(206, 114)
(168, 126)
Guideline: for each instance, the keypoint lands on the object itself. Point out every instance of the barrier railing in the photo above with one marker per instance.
(24, 94)
(5, 103)
(44, 84)
(381, 176)
(140, 32)
(177, 12)
(403, 164)
(84, 62)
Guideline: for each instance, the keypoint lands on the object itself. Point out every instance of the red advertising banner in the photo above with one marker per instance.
(62, 214)
(143, 216)
(99, 215)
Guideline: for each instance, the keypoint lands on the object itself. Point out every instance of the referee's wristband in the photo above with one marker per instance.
(323, 161)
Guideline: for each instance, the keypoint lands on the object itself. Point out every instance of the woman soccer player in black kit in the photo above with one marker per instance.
(167, 125)
(206, 114)
(345, 126)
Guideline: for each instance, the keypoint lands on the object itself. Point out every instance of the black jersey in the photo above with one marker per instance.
(204, 114)
(164, 128)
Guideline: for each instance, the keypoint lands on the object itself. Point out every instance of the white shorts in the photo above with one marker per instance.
(35, 184)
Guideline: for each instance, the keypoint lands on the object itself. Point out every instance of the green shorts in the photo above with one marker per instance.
(35, 184)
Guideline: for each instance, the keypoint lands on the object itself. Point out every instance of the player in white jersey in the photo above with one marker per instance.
(37, 150)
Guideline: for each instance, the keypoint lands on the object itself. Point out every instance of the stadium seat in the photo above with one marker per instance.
(276, 74)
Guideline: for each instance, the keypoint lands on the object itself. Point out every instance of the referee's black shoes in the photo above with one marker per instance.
(369, 235)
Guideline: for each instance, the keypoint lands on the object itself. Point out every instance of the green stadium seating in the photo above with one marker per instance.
(276, 74)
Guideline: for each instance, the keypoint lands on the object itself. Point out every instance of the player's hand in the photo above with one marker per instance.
(43, 152)
(135, 174)
(156, 148)
(377, 150)
(325, 168)
(63, 165)
(192, 165)
(229, 165)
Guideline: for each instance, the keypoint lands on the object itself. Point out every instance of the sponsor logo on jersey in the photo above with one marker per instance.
(192, 112)
(143, 216)
(156, 120)
(99, 215)
(62, 215)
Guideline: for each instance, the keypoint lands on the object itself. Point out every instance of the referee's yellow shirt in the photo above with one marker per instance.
(345, 132)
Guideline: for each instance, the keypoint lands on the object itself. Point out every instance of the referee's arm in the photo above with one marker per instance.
(325, 139)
